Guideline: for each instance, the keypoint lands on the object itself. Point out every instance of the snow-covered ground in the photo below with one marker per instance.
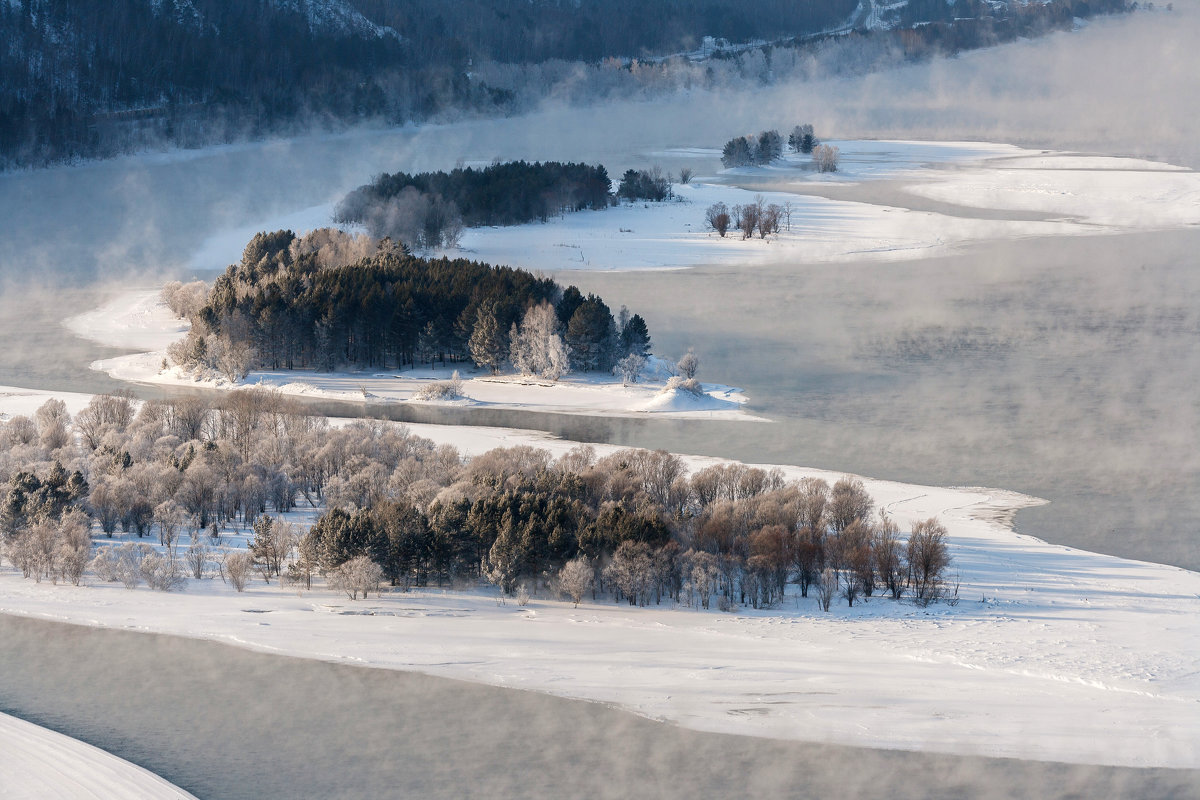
(1060, 194)
(1052, 653)
(36, 764)
(138, 319)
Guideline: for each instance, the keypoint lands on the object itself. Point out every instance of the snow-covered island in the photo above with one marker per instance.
(139, 319)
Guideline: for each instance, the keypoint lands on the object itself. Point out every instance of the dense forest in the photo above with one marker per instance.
(331, 299)
(421, 209)
(86, 79)
(633, 525)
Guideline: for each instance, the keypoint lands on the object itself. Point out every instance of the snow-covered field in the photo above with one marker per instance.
(1052, 653)
(137, 319)
(37, 764)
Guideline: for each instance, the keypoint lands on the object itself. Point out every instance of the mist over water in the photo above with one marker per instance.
(1062, 368)
(261, 724)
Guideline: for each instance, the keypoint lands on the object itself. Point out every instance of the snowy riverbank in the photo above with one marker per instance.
(37, 763)
(1052, 653)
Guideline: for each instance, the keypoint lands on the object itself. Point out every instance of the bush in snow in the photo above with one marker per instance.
(161, 573)
(689, 385)
(236, 567)
(441, 390)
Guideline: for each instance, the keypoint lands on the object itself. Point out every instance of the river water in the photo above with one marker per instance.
(226, 723)
(1062, 368)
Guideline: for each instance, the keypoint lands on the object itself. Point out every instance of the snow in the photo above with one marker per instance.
(1066, 194)
(131, 320)
(1063, 193)
(39, 763)
(137, 319)
(1052, 653)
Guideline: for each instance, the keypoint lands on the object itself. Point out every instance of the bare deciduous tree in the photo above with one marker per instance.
(236, 567)
(718, 218)
(928, 559)
(827, 586)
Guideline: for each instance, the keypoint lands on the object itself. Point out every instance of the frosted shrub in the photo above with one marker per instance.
(161, 573)
(105, 564)
(523, 595)
(689, 385)
(442, 390)
(196, 556)
(121, 563)
(236, 568)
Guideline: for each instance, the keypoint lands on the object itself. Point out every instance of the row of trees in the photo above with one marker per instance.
(290, 303)
(86, 80)
(644, 527)
(746, 151)
(643, 184)
(750, 217)
(511, 193)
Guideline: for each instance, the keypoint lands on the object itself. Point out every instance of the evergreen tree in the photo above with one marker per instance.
(591, 335)
(635, 337)
(487, 343)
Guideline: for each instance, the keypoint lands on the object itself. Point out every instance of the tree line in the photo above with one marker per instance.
(634, 525)
(294, 302)
(430, 208)
(90, 80)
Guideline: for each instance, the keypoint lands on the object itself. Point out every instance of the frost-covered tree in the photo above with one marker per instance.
(631, 367)
(689, 364)
(825, 157)
(576, 578)
(802, 140)
(537, 347)
(359, 575)
(170, 518)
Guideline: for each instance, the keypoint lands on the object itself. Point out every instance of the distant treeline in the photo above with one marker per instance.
(97, 79)
(418, 208)
(290, 304)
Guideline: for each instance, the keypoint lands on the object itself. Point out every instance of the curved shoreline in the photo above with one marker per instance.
(40, 763)
(1044, 636)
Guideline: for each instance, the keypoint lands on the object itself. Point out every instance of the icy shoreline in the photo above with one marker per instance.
(39, 763)
(136, 319)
